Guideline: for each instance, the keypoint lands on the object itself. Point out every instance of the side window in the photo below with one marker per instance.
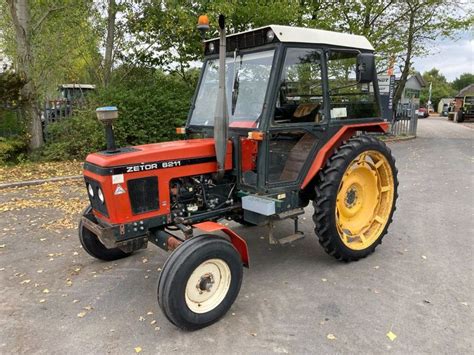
(300, 96)
(348, 98)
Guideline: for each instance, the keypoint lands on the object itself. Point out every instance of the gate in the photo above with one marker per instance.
(54, 111)
(405, 120)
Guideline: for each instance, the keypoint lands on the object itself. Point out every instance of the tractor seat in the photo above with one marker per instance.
(297, 157)
(306, 113)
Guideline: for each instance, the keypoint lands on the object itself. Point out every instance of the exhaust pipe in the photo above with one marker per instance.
(221, 116)
(107, 115)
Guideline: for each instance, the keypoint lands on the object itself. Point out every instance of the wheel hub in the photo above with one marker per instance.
(351, 197)
(205, 283)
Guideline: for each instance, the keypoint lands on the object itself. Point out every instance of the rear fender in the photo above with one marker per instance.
(344, 133)
(238, 242)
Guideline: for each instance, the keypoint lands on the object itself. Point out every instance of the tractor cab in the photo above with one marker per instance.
(288, 90)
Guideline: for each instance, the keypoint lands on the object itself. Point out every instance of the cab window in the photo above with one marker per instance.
(300, 95)
(348, 98)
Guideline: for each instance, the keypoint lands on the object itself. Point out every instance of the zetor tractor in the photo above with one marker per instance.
(278, 121)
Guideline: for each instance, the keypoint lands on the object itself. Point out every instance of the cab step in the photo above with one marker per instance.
(291, 238)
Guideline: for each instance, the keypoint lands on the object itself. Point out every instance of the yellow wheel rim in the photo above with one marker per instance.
(364, 201)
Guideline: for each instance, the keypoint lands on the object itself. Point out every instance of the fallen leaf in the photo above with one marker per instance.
(145, 260)
(75, 253)
(2, 245)
(88, 308)
(75, 301)
(376, 267)
(157, 328)
(391, 335)
(141, 319)
(149, 313)
(331, 336)
(45, 290)
(42, 301)
(423, 257)
(39, 271)
(81, 314)
(324, 280)
(153, 322)
(69, 282)
(42, 239)
(138, 349)
(25, 282)
(464, 303)
(253, 334)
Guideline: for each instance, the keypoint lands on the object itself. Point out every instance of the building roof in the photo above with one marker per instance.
(311, 35)
(417, 77)
(468, 90)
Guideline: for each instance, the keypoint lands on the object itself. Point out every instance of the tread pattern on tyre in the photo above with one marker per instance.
(326, 188)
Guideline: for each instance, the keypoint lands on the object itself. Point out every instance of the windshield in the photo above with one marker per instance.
(247, 78)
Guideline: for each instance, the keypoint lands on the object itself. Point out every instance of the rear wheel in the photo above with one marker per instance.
(200, 281)
(355, 198)
(92, 245)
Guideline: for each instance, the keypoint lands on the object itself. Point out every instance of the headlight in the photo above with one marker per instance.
(211, 47)
(90, 190)
(270, 36)
(100, 195)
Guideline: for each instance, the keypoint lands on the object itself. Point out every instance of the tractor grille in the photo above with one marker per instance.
(143, 194)
(94, 200)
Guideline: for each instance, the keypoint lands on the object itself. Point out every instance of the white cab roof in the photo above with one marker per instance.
(311, 35)
(77, 86)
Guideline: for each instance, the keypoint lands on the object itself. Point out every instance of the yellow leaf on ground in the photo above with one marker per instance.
(45, 290)
(138, 349)
(81, 314)
(331, 337)
(391, 335)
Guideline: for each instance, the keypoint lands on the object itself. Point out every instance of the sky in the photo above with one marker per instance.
(452, 58)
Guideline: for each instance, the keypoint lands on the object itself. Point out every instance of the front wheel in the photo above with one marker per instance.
(199, 282)
(93, 246)
(355, 198)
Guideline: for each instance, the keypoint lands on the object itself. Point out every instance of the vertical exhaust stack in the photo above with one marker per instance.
(107, 115)
(221, 116)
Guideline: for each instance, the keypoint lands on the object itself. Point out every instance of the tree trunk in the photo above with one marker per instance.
(109, 44)
(20, 14)
(407, 63)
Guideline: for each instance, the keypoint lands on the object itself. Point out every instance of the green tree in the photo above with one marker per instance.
(464, 80)
(49, 41)
(440, 88)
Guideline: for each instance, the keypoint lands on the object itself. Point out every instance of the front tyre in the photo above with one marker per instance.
(355, 199)
(200, 281)
(92, 245)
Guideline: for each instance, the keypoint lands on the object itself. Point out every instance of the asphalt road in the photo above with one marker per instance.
(418, 284)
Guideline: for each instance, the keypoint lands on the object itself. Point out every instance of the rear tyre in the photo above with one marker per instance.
(200, 281)
(355, 198)
(92, 245)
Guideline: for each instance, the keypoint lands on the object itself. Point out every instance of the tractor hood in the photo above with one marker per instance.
(165, 152)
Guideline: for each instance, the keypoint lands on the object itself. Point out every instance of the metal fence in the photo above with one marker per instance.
(405, 120)
(54, 111)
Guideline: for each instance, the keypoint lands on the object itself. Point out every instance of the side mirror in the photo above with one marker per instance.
(365, 68)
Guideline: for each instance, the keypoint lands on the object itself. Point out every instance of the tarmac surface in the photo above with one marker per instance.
(417, 286)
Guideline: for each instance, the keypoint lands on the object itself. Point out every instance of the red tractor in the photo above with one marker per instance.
(279, 119)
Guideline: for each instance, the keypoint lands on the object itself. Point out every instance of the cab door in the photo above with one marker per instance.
(299, 118)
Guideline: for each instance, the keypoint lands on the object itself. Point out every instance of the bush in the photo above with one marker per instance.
(151, 105)
(12, 149)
